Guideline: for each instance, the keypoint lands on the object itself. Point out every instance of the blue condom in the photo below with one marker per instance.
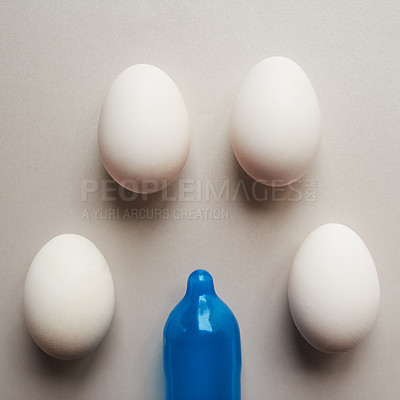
(202, 354)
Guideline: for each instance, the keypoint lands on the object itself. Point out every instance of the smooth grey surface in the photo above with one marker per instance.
(57, 60)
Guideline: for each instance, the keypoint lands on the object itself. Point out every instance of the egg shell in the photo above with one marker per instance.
(276, 123)
(68, 297)
(333, 289)
(143, 130)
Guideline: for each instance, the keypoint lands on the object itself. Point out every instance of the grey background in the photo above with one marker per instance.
(57, 60)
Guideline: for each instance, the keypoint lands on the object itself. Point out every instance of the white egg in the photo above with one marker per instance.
(144, 130)
(276, 123)
(333, 289)
(68, 297)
